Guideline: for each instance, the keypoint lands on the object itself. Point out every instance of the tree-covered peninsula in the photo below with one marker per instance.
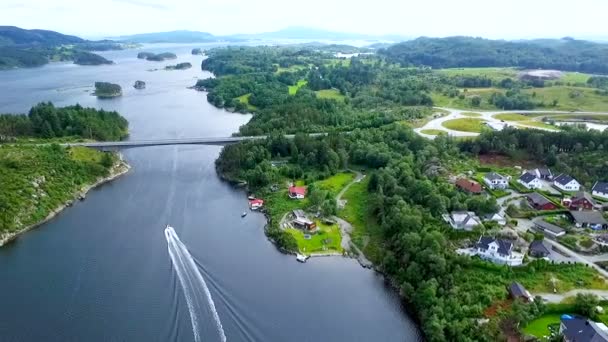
(107, 90)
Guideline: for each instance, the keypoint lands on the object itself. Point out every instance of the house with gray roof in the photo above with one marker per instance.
(495, 181)
(529, 180)
(588, 219)
(497, 251)
(549, 229)
(518, 291)
(566, 183)
(600, 189)
(539, 249)
(462, 220)
(580, 329)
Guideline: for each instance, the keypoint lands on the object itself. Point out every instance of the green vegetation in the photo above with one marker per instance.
(197, 51)
(512, 117)
(332, 94)
(88, 58)
(326, 240)
(179, 66)
(464, 125)
(471, 114)
(156, 57)
(107, 90)
(293, 89)
(336, 183)
(244, 99)
(538, 124)
(540, 326)
(432, 131)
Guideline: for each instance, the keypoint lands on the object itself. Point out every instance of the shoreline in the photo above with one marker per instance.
(117, 170)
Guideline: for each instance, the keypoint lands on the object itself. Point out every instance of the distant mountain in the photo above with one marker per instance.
(11, 35)
(309, 33)
(181, 36)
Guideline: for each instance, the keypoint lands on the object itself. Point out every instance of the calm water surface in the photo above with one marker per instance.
(101, 271)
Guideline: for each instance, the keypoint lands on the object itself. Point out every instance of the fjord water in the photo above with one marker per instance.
(101, 270)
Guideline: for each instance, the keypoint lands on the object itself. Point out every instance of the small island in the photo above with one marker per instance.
(149, 56)
(179, 66)
(197, 51)
(139, 85)
(88, 58)
(107, 90)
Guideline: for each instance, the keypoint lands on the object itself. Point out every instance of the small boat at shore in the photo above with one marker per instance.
(244, 214)
(302, 258)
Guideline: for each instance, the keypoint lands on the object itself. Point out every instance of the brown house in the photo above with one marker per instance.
(582, 201)
(540, 202)
(469, 186)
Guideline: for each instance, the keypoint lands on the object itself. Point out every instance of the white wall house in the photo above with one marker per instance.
(495, 181)
(530, 181)
(498, 251)
(600, 189)
(462, 220)
(566, 183)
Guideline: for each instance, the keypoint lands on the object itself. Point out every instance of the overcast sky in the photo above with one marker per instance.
(487, 18)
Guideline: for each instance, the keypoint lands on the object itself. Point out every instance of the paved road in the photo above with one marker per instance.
(489, 117)
(559, 297)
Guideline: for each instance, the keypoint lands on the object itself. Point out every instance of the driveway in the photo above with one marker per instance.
(559, 297)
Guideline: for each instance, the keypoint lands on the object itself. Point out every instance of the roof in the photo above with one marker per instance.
(465, 218)
(298, 190)
(548, 226)
(580, 329)
(504, 247)
(493, 217)
(538, 199)
(591, 217)
(469, 185)
(544, 171)
(256, 201)
(298, 213)
(518, 290)
(527, 177)
(493, 176)
(600, 187)
(563, 179)
(583, 195)
(539, 246)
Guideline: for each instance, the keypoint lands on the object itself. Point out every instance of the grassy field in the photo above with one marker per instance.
(432, 131)
(245, 99)
(294, 88)
(336, 182)
(574, 78)
(471, 114)
(496, 74)
(511, 117)
(292, 68)
(455, 102)
(571, 98)
(84, 154)
(464, 125)
(540, 326)
(327, 239)
(587, 117)
(332, 94)
(367, 234)
(538, 124)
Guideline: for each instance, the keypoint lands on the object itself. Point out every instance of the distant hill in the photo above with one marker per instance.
(11, 35)
(563, 54)
(309, 33)
(181, 36)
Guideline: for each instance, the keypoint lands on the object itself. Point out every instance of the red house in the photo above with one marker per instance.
(540, 202)
(582, 201)
(469, 186)
(297, 192)
(256, 204)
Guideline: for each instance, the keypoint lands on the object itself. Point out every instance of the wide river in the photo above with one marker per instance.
(101, 270)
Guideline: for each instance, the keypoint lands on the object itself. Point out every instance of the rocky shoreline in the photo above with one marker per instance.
(117, 170)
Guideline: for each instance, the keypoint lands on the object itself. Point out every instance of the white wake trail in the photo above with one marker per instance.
(198, 297)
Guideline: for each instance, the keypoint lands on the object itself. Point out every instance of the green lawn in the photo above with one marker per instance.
(571, 98)
(332, 94)
(496, 74)
(326, 240)
(293, 89)
(292, 68)
(538, 124)
(540, 326)
(471, 114)
(432, 131)
(336, 182)
(574, 78)
(464, 125)
(85, 154)
(367, 234)
(590, 117)
(245, 99)
(512, 117)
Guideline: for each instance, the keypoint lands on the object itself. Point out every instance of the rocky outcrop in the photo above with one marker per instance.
(139, 85)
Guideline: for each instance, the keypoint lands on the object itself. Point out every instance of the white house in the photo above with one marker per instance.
(496, 217)
(600, 189)
(498, 251)
(530, 181)
(462, 220)
(566, 183)
(495, 181)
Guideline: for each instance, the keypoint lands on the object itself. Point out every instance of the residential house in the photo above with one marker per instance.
(462, 220)
(566, 183)
(539, 249)
(581, 201)
(495, 181)
(301, 221)
(530, 181)
(469, 186)
(540, 202)
(297, 192)
(600, 189)
(496, 217)
(588, 219)
(256, 204)
(518, 291)
(543, 173)
(498, 251)
(580, 329)
(549, 229)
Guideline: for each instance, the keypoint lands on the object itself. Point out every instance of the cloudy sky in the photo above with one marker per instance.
(488, 18)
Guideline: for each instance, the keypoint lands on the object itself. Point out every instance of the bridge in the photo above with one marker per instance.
(115, 145)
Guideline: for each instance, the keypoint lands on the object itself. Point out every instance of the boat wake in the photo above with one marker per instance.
(198, 298)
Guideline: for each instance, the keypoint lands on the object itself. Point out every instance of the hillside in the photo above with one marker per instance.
(181, 36)
(563, 54)
(11, 35)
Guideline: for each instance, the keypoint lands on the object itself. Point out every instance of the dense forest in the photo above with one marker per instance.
(47, 121)
(565, 54)
(408, 184)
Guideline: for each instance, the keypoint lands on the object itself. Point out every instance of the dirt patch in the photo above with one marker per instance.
(497, 307)
(504, 161)
(541, 74)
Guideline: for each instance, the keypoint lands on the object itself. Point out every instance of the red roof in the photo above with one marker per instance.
(298, 190)
(256, 201)
(469, 185)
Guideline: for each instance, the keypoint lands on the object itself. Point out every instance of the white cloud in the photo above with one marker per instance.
(488, 18)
